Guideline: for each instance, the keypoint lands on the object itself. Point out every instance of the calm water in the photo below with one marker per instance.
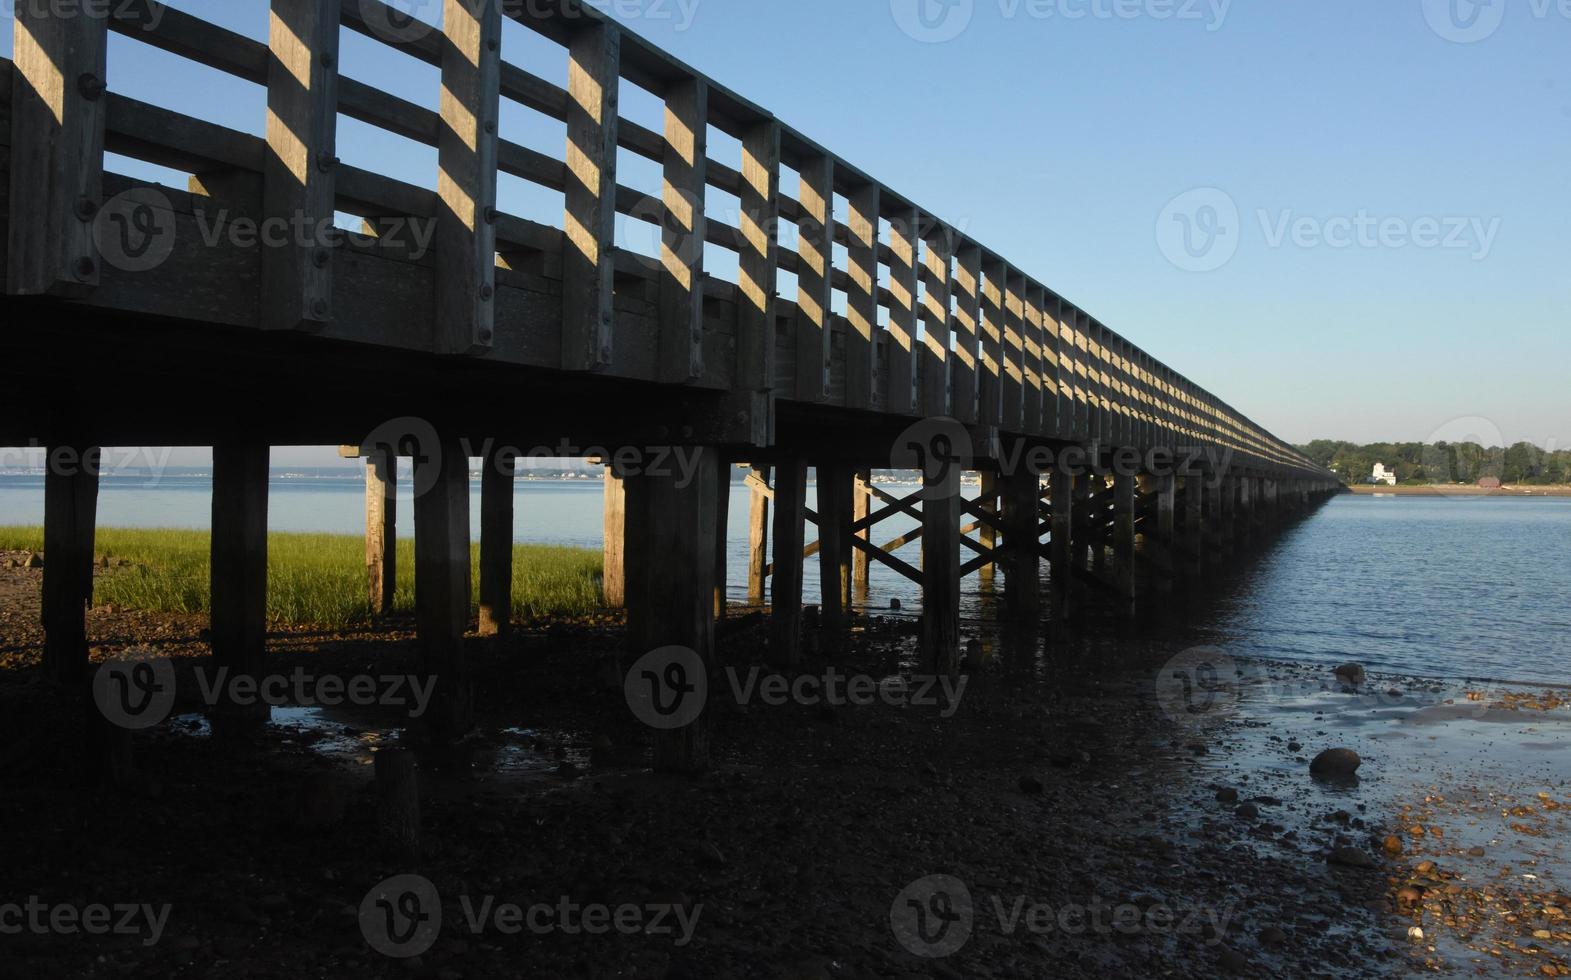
(1428, 586)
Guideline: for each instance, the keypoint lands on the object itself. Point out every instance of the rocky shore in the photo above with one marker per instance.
(1063, 812)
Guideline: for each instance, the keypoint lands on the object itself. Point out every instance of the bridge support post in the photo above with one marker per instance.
(1215, 541)
(722, 532)
(496, 543)
(1160, 534)
(676, 518)
(941, 570)
(238, 587)
(1062, 563)
(861, 561)
(1229, 514)
(757, 537)
(1124, 538)
(988, 501)
(442, 585)
(70, 518)
(834, 550)
(1021, 490)
(785, 592)
(1192, 549)
(613, 575)
(1246, 509)
(381, 528)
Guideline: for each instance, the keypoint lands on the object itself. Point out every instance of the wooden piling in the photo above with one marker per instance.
(1124, 497)
(861, 561)
(613, 575)
(722, 527)
(834, 548)
(238, 584)
(70, 516)
(398, 800)
(941, 570)
(988, 501)
(785, 591)
(1021, 492)
(674, 514)
(1062, 553)
(496, 542)
(381, 528)
(757, 537)
(442, 585)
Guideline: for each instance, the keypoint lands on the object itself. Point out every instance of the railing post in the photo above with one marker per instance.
(862, 298)
(901, 396)
(297, 180)
(588, 261)
(465, 311)
(1031, 359)
(936, 320)
(967, 285)
(759, 261)
(815, 248)
(1013, 286)
(682, 240)
(57, 150)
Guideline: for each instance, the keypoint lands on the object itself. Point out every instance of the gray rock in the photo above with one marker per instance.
(1336, 762)
(1350, 857)
(1351, 674)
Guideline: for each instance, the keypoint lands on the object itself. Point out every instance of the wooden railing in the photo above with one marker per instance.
(957, 331)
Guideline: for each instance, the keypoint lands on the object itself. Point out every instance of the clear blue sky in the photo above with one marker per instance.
(1063, 142)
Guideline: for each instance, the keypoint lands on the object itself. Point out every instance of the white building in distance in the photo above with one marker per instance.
(1383, 475)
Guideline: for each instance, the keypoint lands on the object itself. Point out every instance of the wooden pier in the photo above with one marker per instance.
(911, 346)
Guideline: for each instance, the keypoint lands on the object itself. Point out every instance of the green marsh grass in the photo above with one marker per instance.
(313, 579)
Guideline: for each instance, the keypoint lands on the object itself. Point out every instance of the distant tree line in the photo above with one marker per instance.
(1444, 462)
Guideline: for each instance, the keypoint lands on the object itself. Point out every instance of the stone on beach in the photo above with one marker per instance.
(1351, 674)
(1335, 762)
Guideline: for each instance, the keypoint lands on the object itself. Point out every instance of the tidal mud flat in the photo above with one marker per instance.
(1098, 819)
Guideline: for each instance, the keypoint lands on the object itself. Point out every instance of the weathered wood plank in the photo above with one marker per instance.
(58, 117)
(467, 157)
(862, 298)
(684, 231)
(815, 252)
(588, 259)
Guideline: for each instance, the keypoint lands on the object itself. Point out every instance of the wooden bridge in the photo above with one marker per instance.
(904, 343)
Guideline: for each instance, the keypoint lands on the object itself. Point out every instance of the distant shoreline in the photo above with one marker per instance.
(1458, 490)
